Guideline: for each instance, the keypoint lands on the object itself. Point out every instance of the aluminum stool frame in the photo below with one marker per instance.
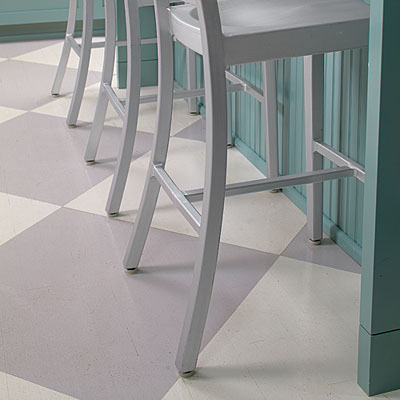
(218, 52)
(83, 50)
(128, 108)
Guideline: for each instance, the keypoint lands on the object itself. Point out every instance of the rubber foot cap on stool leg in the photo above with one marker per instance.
(187, 374)
(71, 126)
(90, 162)
(131, 270)
(316, 242)
(54, 94)
(112, 214)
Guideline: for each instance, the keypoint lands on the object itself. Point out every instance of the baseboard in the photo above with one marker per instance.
(51, 30)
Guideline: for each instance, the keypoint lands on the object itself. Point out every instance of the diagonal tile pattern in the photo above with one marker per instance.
(54, 156)
(14, 388)
(20, 213)
(72, 323)
(7, 113)
(28, 84)
(267, 228)
(66, 294)
(307, 350)
(195, 131)
(327, 254)
(50, 55)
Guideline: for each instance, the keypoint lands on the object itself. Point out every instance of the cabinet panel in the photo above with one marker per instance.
(22, 12)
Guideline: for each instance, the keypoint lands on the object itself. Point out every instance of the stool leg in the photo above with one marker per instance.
(131, 108)
(271, 130)
(160, 145)
(62, 65)
(106, 79)
(211, 221)
(86, 47)
(191, 79)
(313, 106)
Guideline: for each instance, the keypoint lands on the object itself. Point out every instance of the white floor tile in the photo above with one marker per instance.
(51, 55)
(3, 386)
(294, 337)
(19, 213)
(147, 112)
(262, 221)
(14, 388)
(7, 113)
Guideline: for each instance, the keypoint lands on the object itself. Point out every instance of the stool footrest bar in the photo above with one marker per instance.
(185, 94)
(278, 182)
(340, 159)
(181, 94)
(177, 197)
(114, 100)
(98, 45)
(247, 87)
(76, 47)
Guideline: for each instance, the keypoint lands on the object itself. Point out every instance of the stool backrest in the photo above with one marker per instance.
(210, 27)
(210, 23)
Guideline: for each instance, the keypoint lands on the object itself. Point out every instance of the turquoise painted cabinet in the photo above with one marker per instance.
(149, 51)
(39, 11)
(40, 19)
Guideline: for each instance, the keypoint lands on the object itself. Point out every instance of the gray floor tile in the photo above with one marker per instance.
(14, 49)
(42, 159)
(196, 131)
(73, 321)
(26, 85)
(328, 253)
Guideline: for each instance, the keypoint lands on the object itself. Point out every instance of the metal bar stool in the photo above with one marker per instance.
(128, 109)
(230, 32)
(83, 50)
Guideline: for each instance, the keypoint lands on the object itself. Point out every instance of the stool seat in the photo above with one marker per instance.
(322, 21)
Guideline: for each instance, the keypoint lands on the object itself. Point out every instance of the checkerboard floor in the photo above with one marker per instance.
(283, 317)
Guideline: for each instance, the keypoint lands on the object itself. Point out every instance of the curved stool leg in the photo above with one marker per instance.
(106, 79)
(62, 65)
(131, 109)
(271, 131)
(160, 145)
(212, 212)
(86, 47)
(313, 106)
